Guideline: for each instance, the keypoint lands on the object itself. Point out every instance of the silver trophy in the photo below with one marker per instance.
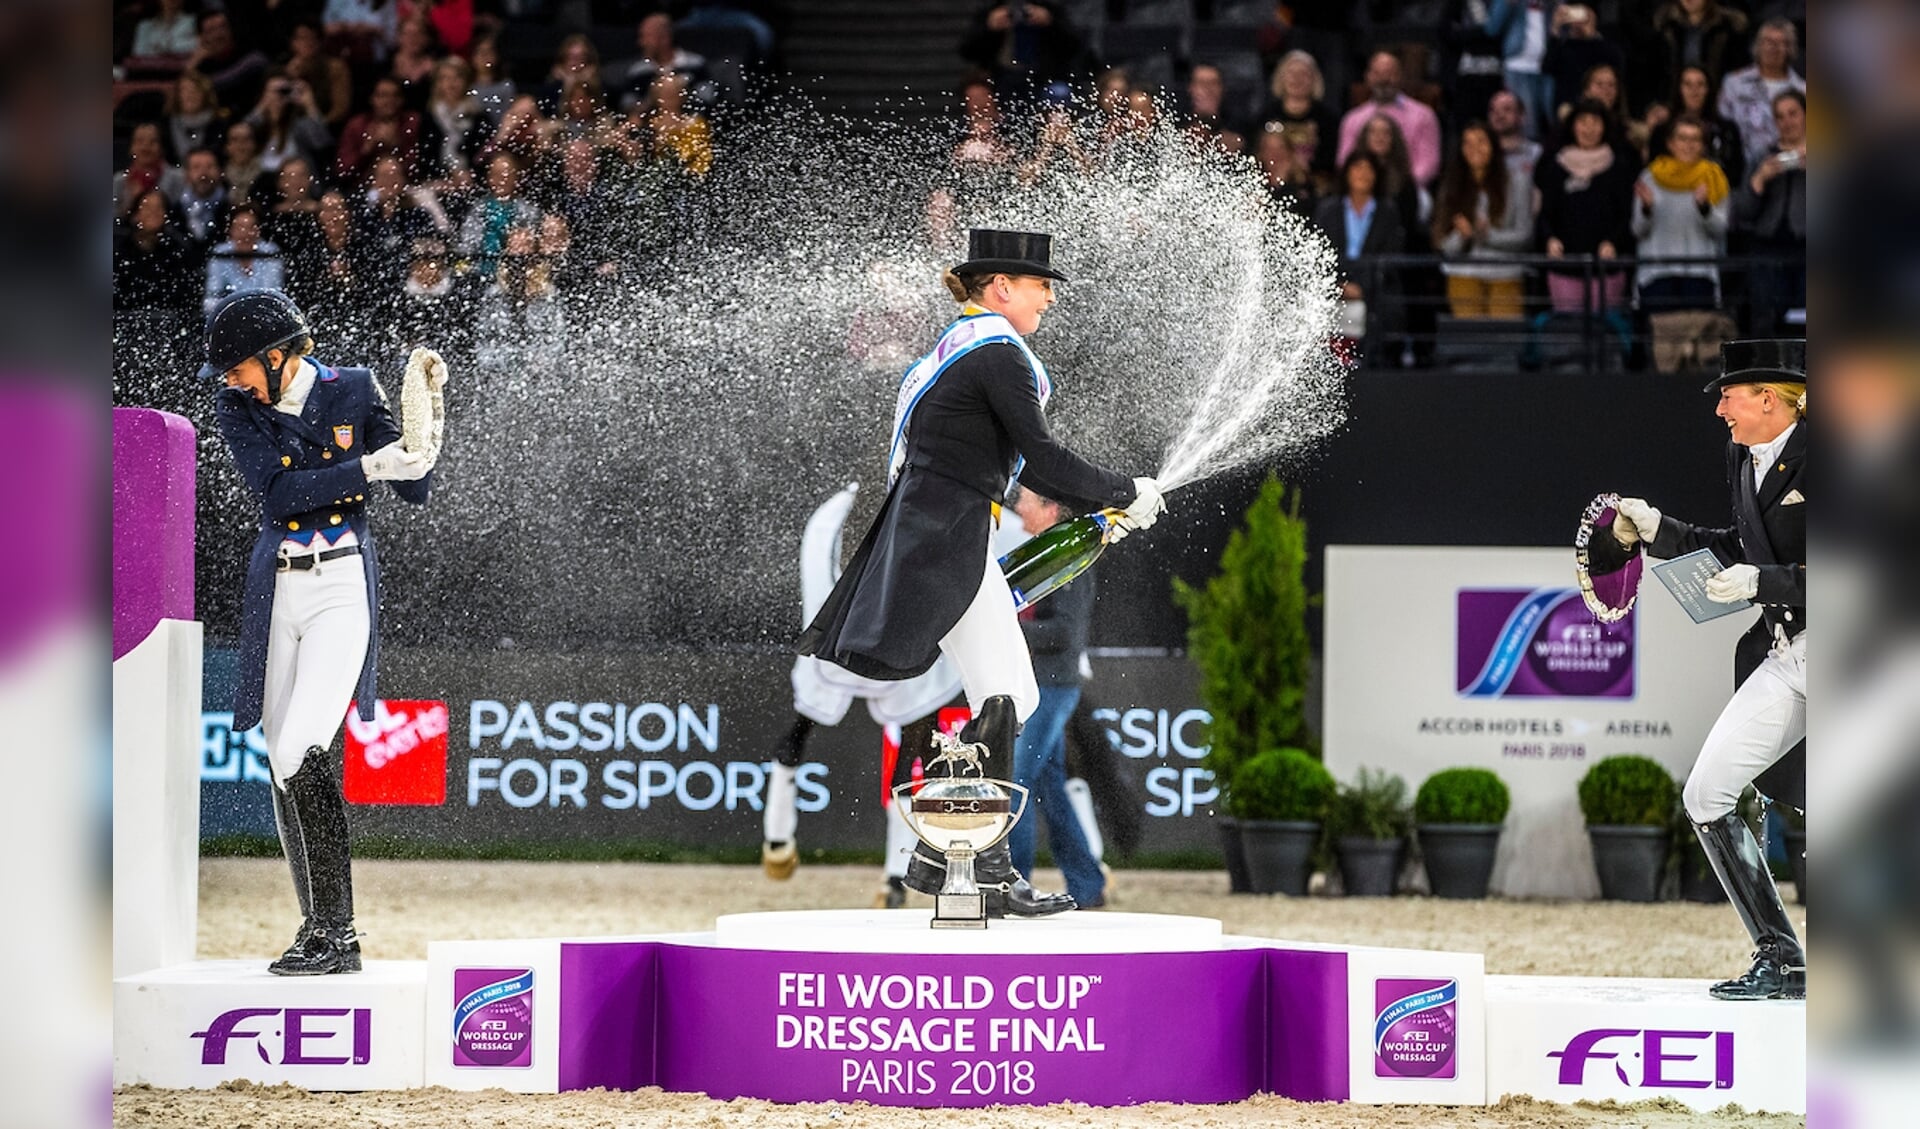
(960, 816)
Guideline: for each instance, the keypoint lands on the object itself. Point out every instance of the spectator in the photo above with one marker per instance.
(237, 75)
(1284, 168)
(430, 306)
(1207, 113)
(169, 33)
(576, 59)
(1472, 60)
(1682, 212)
(416, 52)
(1111, 103)
(327, 75)
(363, 30)
(452, 21)
(456, 125)
(582, 110)
(492, 87)
(204, 204)
(1482, 214)
(660, 55)
(1696, 33)
(293, 218)
(1771, 208)
(1695, 96)
(387, 127)
(570, 274)
(1575, 52)
(524, 133)
(243, 160)
(1746, 97)
(1024, 45)
(152, 266)
(1521, 27)
(244, 262)
(1360, 225)
(678, 133)
(593, 208)
(1417, 121)
(147, 169)
(1318, 27)
(1586, 200)
(483, 234)
(1504, 114)
(1601, 86)
(392, 215)
(1383, 139)
(1299, 98)
(980, 145)
(288, 123)
(194, 118)
(1055, 142)
(329, 279)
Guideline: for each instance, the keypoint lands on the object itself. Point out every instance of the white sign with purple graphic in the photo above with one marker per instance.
(492, 1015)
(1438, 658)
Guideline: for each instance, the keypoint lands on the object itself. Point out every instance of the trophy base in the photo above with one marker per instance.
(959, 911)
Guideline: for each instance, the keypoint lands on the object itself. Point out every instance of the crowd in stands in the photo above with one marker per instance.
(408, 157)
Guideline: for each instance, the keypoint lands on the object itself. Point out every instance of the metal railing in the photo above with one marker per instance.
(1410, 324)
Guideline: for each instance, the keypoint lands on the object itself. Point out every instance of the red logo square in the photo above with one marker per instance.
(400, 757)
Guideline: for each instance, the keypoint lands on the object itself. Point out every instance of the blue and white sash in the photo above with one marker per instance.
(959, 339)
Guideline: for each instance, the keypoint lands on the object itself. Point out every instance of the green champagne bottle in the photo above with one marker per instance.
(1050, 560)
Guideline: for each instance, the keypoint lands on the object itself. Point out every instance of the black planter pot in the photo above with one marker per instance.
(1369, 868)
(1459, 857)
(1279, 854)
(1796, 839)
(1698, 882)
(1236, 855)
(1631, 861)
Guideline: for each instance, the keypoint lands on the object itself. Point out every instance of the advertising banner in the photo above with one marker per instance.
(1445, 657)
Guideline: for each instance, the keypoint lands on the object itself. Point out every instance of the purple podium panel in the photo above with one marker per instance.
(608, 999)
(46, 575)
(913, 1029)
(1307, 998)
(153, 484)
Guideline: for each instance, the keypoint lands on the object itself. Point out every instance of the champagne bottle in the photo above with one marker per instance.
(1054, 557)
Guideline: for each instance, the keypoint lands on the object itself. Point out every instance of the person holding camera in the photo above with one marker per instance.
(288, 124)
(1771, 209)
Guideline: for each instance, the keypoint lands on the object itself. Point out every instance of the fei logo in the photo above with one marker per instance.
(1653, 1051)
(1415, 1028)
(493, 1017)
(305, 1036)
(1538, 643)
(400, 757)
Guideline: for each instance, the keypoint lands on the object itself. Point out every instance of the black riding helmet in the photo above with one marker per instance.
(248, 324)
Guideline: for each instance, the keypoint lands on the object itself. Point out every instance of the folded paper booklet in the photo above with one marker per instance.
(1686, 577)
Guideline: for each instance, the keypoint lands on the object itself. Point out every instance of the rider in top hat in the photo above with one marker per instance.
(968, 421)
(1763, 399)
(308, 440)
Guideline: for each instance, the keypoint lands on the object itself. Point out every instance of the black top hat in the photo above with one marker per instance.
(1760, 362)
(1009, 252)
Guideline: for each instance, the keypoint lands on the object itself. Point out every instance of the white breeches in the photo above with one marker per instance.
(316, 645)
(1766, 717)
(989, 649)
(823, 692)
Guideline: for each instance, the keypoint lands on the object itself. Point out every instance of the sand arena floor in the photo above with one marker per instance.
(247, 911)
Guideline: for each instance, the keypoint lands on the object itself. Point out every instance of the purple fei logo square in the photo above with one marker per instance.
(1415, 1030)
(493, 1017)
(1538, 643)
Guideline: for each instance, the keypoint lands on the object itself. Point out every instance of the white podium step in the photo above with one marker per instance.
(201, 1024)
(907, 931)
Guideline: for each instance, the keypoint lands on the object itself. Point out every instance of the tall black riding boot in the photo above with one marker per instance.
(1779, 969)
(330, 945)
(293, 845)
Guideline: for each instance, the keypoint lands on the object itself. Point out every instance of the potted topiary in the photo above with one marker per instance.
(1628, 802)
(1458, 813)
(1247, 634)
(1281, 798)
(1368, 824)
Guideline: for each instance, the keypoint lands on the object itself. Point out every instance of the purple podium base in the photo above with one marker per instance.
(1104, 1009)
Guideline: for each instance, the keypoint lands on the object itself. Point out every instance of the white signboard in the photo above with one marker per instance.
(1446, 657)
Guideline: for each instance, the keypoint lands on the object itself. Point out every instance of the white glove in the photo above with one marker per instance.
(423, 405)
(1642, 522)
(392, 463)
(1146, 507)
(1733, 584)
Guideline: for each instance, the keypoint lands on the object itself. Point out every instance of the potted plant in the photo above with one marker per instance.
(1247, 634)
(1628, 802)
(1368, 823)
(1458, 813)
(1281, 797)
